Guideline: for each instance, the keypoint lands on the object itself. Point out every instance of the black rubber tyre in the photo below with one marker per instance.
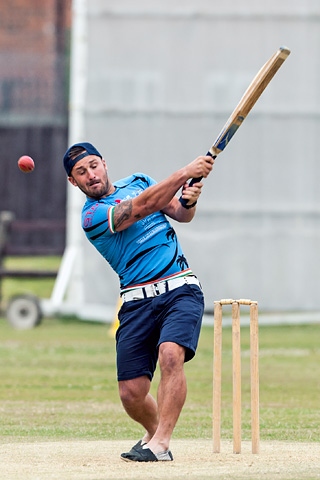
(23, 312)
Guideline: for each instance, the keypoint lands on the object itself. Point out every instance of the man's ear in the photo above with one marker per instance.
(72, 181)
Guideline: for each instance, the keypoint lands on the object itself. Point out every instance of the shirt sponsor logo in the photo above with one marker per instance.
(87, 222)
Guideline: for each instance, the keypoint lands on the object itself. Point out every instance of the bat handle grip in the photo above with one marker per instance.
(183, 201)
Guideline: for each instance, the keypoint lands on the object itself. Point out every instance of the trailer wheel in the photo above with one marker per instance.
(23, 312)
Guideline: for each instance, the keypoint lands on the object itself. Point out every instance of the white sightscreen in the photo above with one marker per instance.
(157, 82)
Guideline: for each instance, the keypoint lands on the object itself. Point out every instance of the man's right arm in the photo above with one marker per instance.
(158, 196)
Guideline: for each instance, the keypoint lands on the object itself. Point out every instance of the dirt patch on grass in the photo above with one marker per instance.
(97, 460)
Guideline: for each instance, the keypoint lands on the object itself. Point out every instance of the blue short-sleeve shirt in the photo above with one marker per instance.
(146, 251)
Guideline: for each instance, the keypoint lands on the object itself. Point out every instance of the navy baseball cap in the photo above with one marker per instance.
(69, 162)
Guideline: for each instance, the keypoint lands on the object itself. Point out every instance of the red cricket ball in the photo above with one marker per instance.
(26, 164)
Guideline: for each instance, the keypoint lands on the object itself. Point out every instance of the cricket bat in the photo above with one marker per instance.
(248, 100)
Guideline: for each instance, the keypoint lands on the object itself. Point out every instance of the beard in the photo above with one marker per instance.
(98, 188)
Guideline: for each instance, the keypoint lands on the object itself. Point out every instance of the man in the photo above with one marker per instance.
(161, 314)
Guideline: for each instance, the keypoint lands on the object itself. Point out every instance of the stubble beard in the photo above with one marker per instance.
(105, 189)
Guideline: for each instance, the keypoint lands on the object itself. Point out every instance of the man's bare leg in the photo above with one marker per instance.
(139, 404)
(158, 420)
(172, 393)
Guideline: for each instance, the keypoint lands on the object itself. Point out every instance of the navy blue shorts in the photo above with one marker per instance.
(174, 316)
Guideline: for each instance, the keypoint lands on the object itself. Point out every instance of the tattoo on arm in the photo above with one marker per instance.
(123, 212)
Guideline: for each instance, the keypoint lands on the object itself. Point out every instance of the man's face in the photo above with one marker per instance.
(90, 175)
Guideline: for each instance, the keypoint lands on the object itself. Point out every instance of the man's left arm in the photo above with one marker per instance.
(176, 211)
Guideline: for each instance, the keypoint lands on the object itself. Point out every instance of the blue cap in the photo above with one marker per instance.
(69, 162)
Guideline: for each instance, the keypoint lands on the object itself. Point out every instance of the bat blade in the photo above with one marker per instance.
(248, 100)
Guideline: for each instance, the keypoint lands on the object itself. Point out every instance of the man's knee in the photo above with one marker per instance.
(133, 391)
(171, 356)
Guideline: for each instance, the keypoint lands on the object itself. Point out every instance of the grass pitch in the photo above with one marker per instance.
(58, 382)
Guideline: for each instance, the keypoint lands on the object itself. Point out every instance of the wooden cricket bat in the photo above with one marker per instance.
(248, 100)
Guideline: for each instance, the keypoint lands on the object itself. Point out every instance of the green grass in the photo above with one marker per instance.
(58, 381)
(41, 287)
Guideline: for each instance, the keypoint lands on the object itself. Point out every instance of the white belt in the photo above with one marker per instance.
(155, 289)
